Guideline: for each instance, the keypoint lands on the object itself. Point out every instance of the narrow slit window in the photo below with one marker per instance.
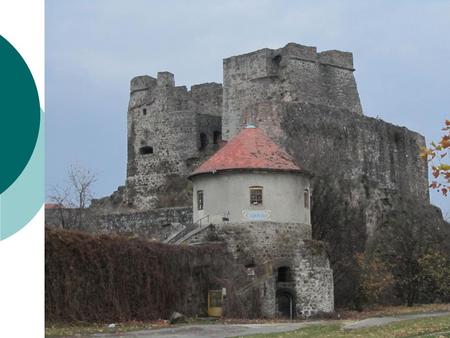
(217, 137)
(256, 195)
(144, 111)
(146, 150)
(203, 141)
(306, 198)
(200, 200)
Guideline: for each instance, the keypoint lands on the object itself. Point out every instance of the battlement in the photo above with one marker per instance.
(165, 79)
(206, 87)
(336, 58)
(146, 82)
(266, 61)
(142, 82)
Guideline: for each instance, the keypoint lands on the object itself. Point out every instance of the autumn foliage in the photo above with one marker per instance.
(437, 155)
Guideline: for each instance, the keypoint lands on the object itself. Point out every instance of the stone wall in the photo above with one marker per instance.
(158, 224)
(268, 246)
(313, 280)
(370, 161)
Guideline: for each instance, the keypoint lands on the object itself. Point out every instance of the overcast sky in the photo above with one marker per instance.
(401, 53)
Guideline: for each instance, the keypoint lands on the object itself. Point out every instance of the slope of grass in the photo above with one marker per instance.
(428, 327)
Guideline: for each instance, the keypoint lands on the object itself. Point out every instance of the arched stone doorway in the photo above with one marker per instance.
(285, 304)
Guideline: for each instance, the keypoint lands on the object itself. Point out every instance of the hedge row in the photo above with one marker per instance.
(104, 278)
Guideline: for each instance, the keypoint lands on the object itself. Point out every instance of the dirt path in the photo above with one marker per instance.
(235, 330)
(379, 321)
(209, 331)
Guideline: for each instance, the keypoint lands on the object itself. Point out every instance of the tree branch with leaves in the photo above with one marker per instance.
(438, 157)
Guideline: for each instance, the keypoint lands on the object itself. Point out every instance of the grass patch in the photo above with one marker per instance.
(392, 311)
(427, 327)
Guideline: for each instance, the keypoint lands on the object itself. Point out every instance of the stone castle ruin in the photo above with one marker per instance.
(307, 103)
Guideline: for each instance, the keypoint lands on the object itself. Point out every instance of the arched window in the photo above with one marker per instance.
(284, 274)
(256, 195)
(217, 137)
(306, 198)
(203, 141)
(146, 150)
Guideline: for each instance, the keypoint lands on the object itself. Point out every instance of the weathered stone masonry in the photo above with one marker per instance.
(262, 80)
(170, 131)
(307, 101)
(271, 245)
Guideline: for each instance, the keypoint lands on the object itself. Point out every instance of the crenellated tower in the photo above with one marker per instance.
(170, 130)
(258, 83)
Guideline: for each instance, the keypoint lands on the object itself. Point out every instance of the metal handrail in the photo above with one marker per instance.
(199, 221)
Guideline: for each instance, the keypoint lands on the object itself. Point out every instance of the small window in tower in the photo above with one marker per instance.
(146, 150)
(284, 274)
(256, 195)
(199, 199)
(277, 59)
(217, 137)
(306, 198)
(203, 141)
(144, 111)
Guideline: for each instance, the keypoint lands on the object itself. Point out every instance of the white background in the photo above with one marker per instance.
(22, 255)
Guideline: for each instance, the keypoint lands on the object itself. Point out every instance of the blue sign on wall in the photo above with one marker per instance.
(256, 215)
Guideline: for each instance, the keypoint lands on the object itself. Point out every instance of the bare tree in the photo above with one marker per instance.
(75, 195)
(60, 195)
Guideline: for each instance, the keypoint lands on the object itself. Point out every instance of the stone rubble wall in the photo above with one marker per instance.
(270, 245)
(157, 224)
(370, 161)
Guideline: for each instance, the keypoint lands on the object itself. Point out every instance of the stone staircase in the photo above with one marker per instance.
(189, 231)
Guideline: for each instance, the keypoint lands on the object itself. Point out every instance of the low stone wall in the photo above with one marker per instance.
(157, 224)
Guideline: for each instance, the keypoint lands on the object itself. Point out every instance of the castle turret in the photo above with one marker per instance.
(256, 198)
(257, 84)
(252, 179)
(169, 130)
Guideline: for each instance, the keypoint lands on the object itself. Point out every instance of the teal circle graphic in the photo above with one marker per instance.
(19, 114)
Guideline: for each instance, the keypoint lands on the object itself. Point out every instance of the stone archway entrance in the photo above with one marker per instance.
(285, 303)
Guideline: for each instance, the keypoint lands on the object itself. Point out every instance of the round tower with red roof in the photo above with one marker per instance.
(252, 195)
(251, 179)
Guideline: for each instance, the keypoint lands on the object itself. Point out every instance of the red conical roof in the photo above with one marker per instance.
(250, 149)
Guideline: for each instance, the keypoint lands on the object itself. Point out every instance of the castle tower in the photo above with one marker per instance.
(258, 199)
(256, 180)
(170, 129)
(257, 84)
